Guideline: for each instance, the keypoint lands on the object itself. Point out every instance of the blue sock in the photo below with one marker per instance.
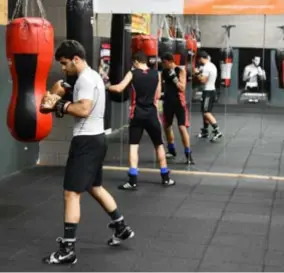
(171, 146)
(133, 171)
(187, 150)
(164, 170)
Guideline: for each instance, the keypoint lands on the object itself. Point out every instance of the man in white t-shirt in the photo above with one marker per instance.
(83, 172)
(253, 73)
(207, 76)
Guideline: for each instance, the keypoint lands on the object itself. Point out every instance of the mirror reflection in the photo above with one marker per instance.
(219, 104)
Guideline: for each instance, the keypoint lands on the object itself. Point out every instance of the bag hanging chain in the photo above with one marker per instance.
(179, 28)
(22, 5)
(164, 24)
(227, 35)
(17, 9)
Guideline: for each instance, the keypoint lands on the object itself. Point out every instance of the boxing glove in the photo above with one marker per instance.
(172, 76)
(60, 107)
(48, 102)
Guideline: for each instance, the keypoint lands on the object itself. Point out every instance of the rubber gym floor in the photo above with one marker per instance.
(204, 223)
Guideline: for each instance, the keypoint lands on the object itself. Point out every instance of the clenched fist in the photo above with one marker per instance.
(48, 102)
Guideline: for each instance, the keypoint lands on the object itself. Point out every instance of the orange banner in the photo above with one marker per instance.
(223, 7)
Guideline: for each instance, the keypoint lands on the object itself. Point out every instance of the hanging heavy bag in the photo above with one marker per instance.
(79, 14)
(279, 61)
(148, 44)
(120, 59)
(180, 52)
(197, 34)
(165, 44)
(180, 48)
(226, 63)
(29, 51)
(191, 48)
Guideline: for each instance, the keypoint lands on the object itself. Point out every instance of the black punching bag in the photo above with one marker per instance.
(79, 14)
(120, 59)
(279, 61)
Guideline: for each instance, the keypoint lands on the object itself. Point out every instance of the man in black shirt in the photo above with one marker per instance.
(174, 87)
(146, 90)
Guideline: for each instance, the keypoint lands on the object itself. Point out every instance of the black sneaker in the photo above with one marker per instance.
(127, 186)
(166, 180)
(189, 159)
(216, 135)
(203, 133)
(131, 185)
(65, 255)
(122, 232)
(171, 154)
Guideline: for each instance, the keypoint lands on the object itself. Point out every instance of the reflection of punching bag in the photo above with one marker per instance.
(197, 34)
(226, 66)
(279, 61)
(181, 51)
(167, 45)
(120, 60)
(191, 47)
(29, 50)
(79, 27)
(148, 44)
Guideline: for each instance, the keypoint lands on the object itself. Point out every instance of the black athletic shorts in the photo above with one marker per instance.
(207, 101)
(85, 162)
(175, 109)
(150, 123)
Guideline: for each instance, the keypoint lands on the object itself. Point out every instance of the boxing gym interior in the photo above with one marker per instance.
(225, 212)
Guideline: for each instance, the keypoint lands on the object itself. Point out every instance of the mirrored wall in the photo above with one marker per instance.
(248, 100)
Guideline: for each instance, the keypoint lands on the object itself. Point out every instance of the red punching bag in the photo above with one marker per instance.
(29, 50)
(191, 47)
(279, 61)
(148, 44)
(181, 51)
(226, 66)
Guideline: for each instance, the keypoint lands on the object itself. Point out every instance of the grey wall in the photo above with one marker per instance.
(15, 155)
(250, 31)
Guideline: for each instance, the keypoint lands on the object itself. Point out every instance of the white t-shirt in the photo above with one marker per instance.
(209, 70)
(90, 85)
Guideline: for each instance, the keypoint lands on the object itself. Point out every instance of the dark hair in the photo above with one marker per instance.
(202, 54)
(69, 49)
(140, 57)
(168, 57)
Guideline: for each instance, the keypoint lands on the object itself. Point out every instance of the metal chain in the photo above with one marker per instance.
(17, 9)
(41, 9)
(22, 5)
